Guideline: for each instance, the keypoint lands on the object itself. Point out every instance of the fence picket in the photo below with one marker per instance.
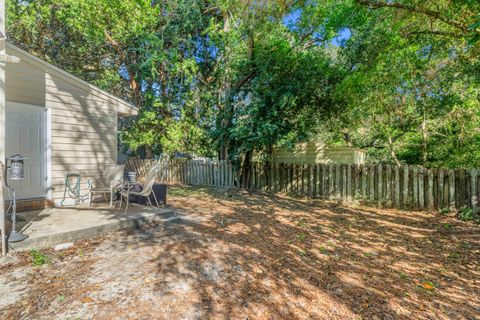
(396, 187)
(371, 184)
(312, 185)
(330, 181)
(388, 185)
(415, 187)
(355, 182)
(349, 183)
(473, 189)
(364, 184)
(440, 191)
(459, 190)
(430, 203)
(379, 184)
(421, 188)
(324, 181)
(405, 186)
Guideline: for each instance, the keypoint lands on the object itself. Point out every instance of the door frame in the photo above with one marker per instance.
(46, 140)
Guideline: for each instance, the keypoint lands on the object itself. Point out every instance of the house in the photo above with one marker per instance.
(318, 152)
(59, 122)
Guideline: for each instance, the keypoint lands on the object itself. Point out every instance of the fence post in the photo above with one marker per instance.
(357, 178)
(225, 173)
(176, 166)
(372, 184)
(190, 172)
(396, 186)
(294, 178)
(343, 195)
(182, 172)
(473, 190)
(364, 183)
(405, 186)
(301, 180)
(324, 181)
(461, 190)
(440, 191)
(451, 187)
(196, 169)
(421, 188)
(276, 177)
(380, 185)
(430, 190)
(257, 177)
(349, 183)
(269, 177)
(338, 189)
(415, 187)
(281, 177)
(311, 184)
(286, 177)
(331, 181)
(388, 184)
(205, 172)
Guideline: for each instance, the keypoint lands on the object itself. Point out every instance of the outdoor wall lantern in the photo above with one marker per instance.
(15, 171)
(16, 168)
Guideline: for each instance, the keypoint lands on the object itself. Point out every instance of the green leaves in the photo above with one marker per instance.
(410, 96)
(475, 28)
(237, 78)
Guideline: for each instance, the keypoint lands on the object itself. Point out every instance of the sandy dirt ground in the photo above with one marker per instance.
(251, 256)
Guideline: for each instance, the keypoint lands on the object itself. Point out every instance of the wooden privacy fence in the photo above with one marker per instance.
(193, 172)
(407, 187)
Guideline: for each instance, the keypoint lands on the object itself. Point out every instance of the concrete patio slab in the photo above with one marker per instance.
(53, 226)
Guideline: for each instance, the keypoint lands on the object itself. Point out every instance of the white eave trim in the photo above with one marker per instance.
(131, 109)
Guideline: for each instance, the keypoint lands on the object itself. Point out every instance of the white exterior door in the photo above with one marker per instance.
(26, 135)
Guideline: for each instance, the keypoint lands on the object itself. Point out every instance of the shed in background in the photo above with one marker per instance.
(318, 152)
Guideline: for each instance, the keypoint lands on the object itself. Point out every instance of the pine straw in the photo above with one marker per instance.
(252, 256)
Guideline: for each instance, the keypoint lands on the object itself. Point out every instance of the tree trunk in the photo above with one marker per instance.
(148, 152)
(392, 152)
(424, 141)
(134, 85)
(246, 170)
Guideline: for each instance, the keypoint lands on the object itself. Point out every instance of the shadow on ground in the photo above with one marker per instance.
(242, 255)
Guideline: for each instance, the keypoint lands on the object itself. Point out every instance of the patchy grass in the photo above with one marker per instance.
(239, 255)
(38, 258)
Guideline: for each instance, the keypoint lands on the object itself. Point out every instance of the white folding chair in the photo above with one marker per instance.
(111, 183)
(146, 191)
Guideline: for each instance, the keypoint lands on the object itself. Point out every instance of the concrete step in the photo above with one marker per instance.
(32, 204)
(59, 225)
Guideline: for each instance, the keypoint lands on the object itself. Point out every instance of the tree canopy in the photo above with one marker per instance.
(233, 79)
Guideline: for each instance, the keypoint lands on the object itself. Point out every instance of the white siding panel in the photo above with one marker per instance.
(101, 146)
(25, 83)
(60, 141)
(102, 129)
(64, 111)
(63, 87)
